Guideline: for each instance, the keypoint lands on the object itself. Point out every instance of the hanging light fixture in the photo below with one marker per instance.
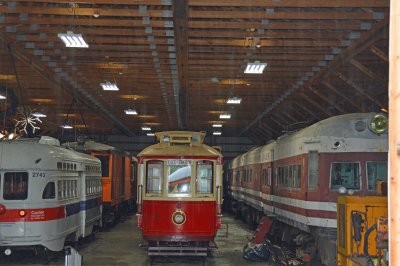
(38, 114)
(67, 127)
(109, 86)
(73, 40)
(130, 112)
(225, 116)
(234, 100)
(255, 68)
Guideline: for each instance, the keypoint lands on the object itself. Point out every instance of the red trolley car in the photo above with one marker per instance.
(179, 194)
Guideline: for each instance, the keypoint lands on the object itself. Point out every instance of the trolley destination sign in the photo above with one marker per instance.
(179, 162)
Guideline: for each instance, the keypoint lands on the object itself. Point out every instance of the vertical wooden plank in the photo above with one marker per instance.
(394, 132)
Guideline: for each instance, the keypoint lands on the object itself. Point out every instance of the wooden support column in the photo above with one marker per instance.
(394, 133)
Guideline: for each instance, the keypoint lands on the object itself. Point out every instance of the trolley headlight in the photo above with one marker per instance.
(179, 217)
(22, 213)
(378, 124)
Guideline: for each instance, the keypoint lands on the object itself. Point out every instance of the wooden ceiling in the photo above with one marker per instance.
(177, 61)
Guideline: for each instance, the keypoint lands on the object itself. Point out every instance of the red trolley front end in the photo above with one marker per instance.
(179, 195)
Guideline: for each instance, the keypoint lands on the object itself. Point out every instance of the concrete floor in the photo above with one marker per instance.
(120, 246)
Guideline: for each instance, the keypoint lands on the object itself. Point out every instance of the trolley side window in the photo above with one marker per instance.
(345, 174)
(15, 186)
(49, 192)
(154, 183)
(205, 177)
(179, 176)
(105, 162)
(376, 171)
(312, 170)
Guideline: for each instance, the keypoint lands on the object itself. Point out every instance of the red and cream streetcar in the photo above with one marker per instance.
(179, 194)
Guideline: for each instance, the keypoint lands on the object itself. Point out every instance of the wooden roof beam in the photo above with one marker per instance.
(180, 16)
(237, 3)
(356, 87)
(304, 107)
(369, 73)
(344, 96)
(378, 52)
(314, 103)
(326, 99)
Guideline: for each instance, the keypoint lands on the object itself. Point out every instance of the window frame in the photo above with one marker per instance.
(25, 193)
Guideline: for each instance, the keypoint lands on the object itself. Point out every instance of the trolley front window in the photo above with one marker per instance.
(154, 177)
(204, 178)
(345, 174)
(376, 171)
(15, 186)
(179, 176)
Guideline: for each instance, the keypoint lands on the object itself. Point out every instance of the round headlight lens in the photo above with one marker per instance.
(378, 124)
(179, 217)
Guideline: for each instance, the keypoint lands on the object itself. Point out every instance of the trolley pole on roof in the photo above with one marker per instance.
(394, 133)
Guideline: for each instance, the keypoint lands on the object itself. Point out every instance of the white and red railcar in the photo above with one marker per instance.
(179, 194)
(297, 178)
(48, 195)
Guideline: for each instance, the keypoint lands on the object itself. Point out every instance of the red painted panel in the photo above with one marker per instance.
(33, 215)
(200, 218)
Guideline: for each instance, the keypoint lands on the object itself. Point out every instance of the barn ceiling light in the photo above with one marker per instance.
(130, 112)
(225, 116)
(67, 127)
(146, 128)
(150, 134)
(2, 97)
(217, 133)
(234, 100)
(38, 114)
(255, 68)
(73, 40)
(108, 86)
(217, 125)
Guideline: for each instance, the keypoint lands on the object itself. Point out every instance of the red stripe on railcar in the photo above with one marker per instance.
(158, 222)
(33, 215)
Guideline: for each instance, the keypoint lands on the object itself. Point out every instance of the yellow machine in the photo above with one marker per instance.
(362, 230)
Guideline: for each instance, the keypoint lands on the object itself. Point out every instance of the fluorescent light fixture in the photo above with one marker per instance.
(2, 135)
(234, 100)
(150, 134)
(38, 114)
(73, 40)
(2, 97)
(67, 127)
(108, 86)
(130, 112)
(217, 125)
(11, 136)
(225, 116)
(255, 68)
(146, 128)
(217, 133)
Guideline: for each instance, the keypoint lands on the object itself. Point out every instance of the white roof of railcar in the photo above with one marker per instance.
(343, 133)
(89, 145)
(37, 154)
(322, 136)
(252, 157)
(180, 143)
